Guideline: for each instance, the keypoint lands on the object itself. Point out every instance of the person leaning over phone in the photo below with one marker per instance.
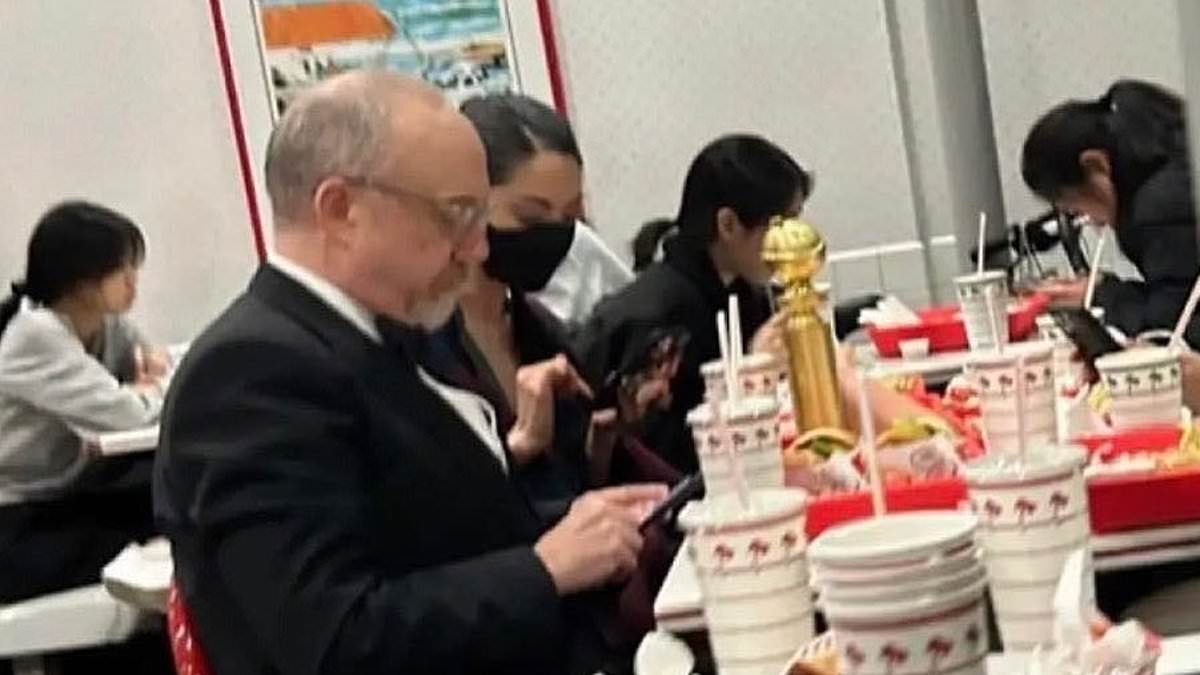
(1122, 161)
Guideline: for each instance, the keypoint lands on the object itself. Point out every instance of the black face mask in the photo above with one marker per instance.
(525, 259)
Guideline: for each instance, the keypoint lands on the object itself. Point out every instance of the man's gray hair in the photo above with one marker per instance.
(340, 128)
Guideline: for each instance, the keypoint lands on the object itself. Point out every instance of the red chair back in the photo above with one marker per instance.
(185, 649)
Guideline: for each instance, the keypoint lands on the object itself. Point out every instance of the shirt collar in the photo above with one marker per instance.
(336, 298)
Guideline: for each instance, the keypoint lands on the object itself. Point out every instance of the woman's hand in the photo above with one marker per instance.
(537, 387)
(769, 339)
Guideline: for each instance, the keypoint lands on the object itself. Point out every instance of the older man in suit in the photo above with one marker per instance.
(332, 507)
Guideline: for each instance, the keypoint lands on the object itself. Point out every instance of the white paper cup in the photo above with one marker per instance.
(1144, 385)
(751, 431)
(892, 542)
(996, 379)
(943, 632)
(1033, 515)
(972, 289)
(754, 584)
(903, 590)
(874, 578)
(760, 375)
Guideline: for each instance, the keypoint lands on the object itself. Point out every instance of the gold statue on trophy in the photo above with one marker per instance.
(795, 251)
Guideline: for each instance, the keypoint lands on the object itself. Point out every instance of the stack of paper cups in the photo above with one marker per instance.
(759, 375)
(904, 593)
(753, 577)
(748, 434)
(996, 378)
(1033, 515)
(972, 298)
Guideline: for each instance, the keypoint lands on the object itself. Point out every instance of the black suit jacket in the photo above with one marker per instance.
(329, 513)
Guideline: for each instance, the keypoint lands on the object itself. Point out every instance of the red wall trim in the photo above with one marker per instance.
(239, 130)
(546, 19)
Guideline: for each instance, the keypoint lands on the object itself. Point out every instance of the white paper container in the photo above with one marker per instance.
(995, 377)
(752, 431)
(937, 566)
(899, 591)
(1145, 386)
(1033, 516)
(973, 304)
(752, 577)
(760, 375)
(892, 541)
(938, 633)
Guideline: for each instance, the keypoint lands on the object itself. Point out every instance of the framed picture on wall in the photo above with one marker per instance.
(464, 47)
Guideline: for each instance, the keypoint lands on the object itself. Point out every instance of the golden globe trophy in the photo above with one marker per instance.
(795, 251)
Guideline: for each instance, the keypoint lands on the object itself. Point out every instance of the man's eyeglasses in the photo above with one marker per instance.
(459, 216)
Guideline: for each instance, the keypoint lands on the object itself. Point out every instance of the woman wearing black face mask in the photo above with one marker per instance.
(536, 174)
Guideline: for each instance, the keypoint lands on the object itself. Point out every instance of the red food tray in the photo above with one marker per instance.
(825, 512)
(946, 331)
(1118, 502)
(1135, 501)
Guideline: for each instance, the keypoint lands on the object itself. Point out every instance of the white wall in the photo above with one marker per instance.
(649, 83)
(121, 102)
(1041, 53)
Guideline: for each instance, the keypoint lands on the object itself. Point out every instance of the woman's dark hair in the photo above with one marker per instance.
(513, 128)
(74, 242)
(746, 173)
(1139, 125)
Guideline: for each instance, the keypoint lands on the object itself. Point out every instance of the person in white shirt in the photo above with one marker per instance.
(70, 363)
(332, 506)
(590, 271)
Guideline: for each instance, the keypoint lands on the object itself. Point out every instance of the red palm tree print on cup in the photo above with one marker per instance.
(938, 648)
(1006, 383)
(972, 636)
(1024, 509)
(1058, 503)
(762, 434)
(723, 553)
(739, 440)
(893, 655)
(854, 656)
(758, 548)
(993, 509)
(789, 541)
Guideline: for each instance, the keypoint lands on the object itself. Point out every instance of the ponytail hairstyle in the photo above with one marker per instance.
(647, 240)
(1139, 125)
(73, 243)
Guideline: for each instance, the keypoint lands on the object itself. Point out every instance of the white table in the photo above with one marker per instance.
(120, 442)
(678, 607)
(131, 440)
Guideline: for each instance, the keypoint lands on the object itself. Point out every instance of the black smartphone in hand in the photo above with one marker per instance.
(1090, 336)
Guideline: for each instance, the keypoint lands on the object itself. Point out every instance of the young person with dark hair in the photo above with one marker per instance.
(1122, 161)
(712, 249)
(69, 363)
(733, 188)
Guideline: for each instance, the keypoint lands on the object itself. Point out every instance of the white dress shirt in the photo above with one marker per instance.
(478, 414)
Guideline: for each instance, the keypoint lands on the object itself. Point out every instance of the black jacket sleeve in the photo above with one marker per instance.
(1157, 232)
(270, 469)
